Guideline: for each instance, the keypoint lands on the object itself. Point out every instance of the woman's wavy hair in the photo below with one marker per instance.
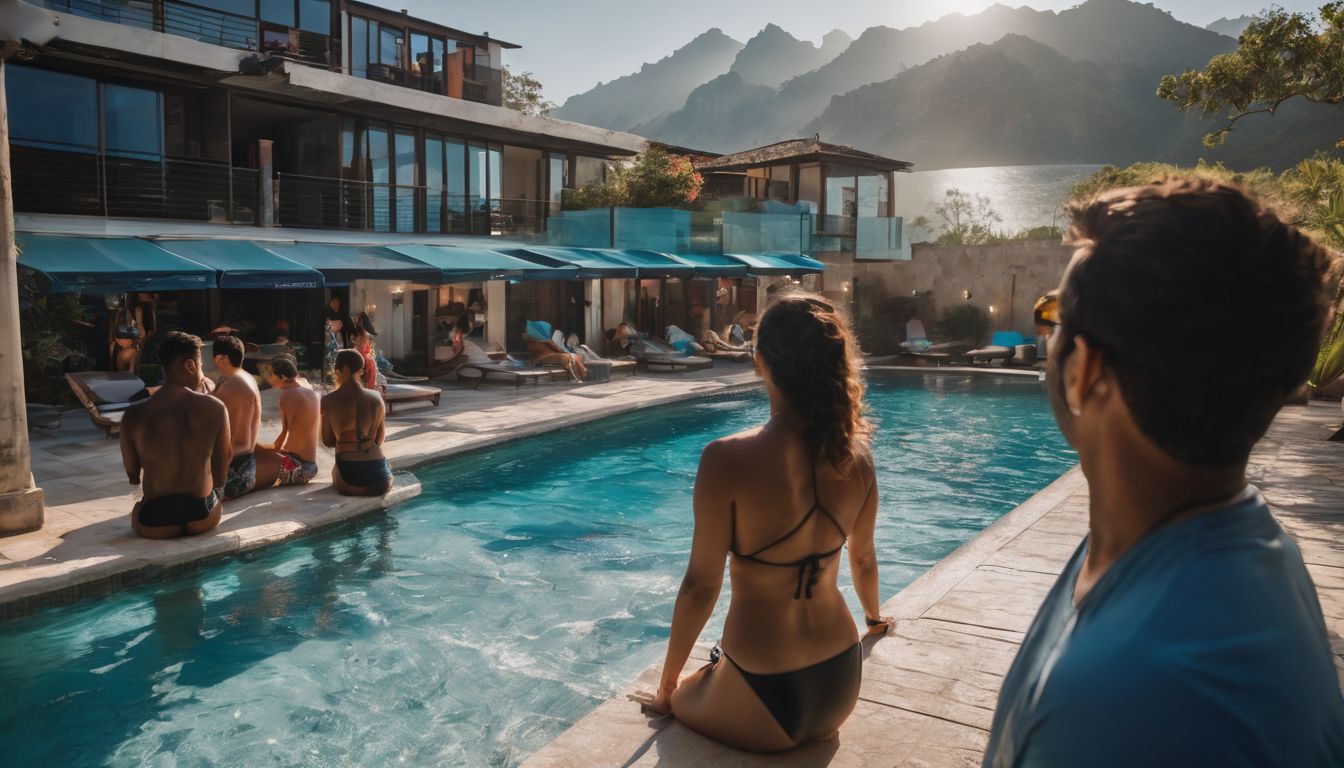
(813, 359)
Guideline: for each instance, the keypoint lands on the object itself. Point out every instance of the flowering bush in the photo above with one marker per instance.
(656, 180)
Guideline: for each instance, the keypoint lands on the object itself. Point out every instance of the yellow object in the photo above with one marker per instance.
(1046, 311)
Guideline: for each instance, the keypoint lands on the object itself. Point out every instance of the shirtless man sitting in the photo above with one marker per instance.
(296, 447)
(177, 442)
(352, 423)
(238, 391)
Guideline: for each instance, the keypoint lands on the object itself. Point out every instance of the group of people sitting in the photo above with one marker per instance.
(189, 447)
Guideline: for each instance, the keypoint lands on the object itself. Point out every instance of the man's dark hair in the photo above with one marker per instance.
(350, 360)
(285, 366)
(1207, 307)
(176, 346)
(230, 347)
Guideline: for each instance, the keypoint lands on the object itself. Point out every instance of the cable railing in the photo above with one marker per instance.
(132, 13)
(321, 202)
(50, 181)
(209, 25)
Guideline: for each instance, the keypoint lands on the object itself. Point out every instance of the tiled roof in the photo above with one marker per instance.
(798, 150)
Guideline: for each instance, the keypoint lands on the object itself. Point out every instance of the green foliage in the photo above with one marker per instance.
(656, 180)
(523, 93)
(966, 219)
(48, 342)
(1281, 56)
(964, 322)
(882, 331)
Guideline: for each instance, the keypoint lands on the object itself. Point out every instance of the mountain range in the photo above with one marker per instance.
(1004, 86)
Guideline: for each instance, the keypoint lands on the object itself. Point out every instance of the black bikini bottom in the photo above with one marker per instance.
(371, 473)
(807, 701)
(177, 509)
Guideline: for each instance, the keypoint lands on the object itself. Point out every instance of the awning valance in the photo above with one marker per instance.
(110, 265)
(778, 263)
(465, 264)
(650, 264)
(341, 264)
(590, 264)
(242, 264)
(713, 265)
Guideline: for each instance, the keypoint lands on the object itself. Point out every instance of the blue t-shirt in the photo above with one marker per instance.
(1202, 645)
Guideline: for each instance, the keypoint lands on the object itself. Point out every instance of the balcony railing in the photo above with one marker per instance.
(680, 231)
(209, 25)
(51, 181)
(328, 203)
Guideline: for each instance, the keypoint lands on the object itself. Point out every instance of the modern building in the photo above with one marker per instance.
(246, 160)
(846, 193)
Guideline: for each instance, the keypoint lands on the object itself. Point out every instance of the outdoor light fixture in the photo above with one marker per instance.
(845, 287)
(398, 295)
(915, 293)
(966, 295)
(370, 309)
(991, 309)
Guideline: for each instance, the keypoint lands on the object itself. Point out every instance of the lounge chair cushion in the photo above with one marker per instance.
(991, 352)
(114, 388)
(109, 408)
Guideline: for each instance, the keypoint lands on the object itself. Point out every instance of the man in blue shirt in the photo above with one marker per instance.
(1185, 630)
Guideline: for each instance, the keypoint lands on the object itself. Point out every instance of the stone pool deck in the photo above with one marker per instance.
(930, 687)
(87, 548)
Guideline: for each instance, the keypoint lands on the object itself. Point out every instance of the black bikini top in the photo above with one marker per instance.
(808, 567)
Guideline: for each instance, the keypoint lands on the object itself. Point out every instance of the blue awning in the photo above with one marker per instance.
(110, 265)
(650, 264)
(245, 265)
(465, 264)
(591, 265)
(713, 265)
(778, 263)
(341, 264)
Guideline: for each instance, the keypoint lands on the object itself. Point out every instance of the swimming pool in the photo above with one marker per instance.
(475, 623)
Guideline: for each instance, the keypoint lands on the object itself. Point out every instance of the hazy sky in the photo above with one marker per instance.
(571, 45)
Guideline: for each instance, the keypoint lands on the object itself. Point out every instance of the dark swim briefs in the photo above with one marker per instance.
(372, 473)
(242, 476)
(177, 509)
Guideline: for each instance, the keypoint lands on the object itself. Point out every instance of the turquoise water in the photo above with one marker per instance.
(474, 624)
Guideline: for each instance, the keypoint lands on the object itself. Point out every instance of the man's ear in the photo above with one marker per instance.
(1084, 375)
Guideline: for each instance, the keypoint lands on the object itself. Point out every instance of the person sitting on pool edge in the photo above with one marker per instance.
(352, 423)
(176, 445)
(783, 500)
(1185, 630)
(238, 391)
(295, 449)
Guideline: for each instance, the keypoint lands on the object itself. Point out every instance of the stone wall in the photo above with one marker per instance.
(1008, 277)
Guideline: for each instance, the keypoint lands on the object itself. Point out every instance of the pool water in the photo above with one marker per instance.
(475, 623)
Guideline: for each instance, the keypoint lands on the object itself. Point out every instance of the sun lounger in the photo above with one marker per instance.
(654, 355)
(400, 394)
(402, 378)
(441, 368)
(105, 396)
(503, 370)
(1001, 347)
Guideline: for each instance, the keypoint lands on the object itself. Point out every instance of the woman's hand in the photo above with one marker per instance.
(883, 626)
(662, 701)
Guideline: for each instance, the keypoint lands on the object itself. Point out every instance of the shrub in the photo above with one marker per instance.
(964, 322)
(656, 180)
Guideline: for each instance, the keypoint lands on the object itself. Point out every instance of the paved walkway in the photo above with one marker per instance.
(87, 548)
(930, 687)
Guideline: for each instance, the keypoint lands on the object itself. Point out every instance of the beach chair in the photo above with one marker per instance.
(917, 345)
(105, 396)
(1002, 346)
(399, 393)
(503, 370)
(656, 355)
(718, 349)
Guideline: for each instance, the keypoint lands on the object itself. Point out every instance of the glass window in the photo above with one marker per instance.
(379, 163)
(422, 58)
(315, 16)
(496, 177)
(433, 184)
(132, 122)
(279, 12)
(389, 46)
(477, 185)
(352, 149)
(52, 109)
(246, 8)
(454, 184)
(870, 204)
(809, 185)
(406, 156)
(841, 194)
(359, 46)
(557, 169)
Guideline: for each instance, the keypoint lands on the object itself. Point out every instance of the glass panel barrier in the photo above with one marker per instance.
(881, 238)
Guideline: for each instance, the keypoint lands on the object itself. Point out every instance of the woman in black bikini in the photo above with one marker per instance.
(783, 499)
(352, 423)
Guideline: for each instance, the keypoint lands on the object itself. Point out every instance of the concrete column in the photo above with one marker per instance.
(20, 499)
(592, 314)
(265, 183)
(496, 315)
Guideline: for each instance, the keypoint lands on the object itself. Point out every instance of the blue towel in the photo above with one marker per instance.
(537, 330)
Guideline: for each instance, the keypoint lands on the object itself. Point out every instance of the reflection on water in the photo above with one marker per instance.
(472, 625)
(1023, 195)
